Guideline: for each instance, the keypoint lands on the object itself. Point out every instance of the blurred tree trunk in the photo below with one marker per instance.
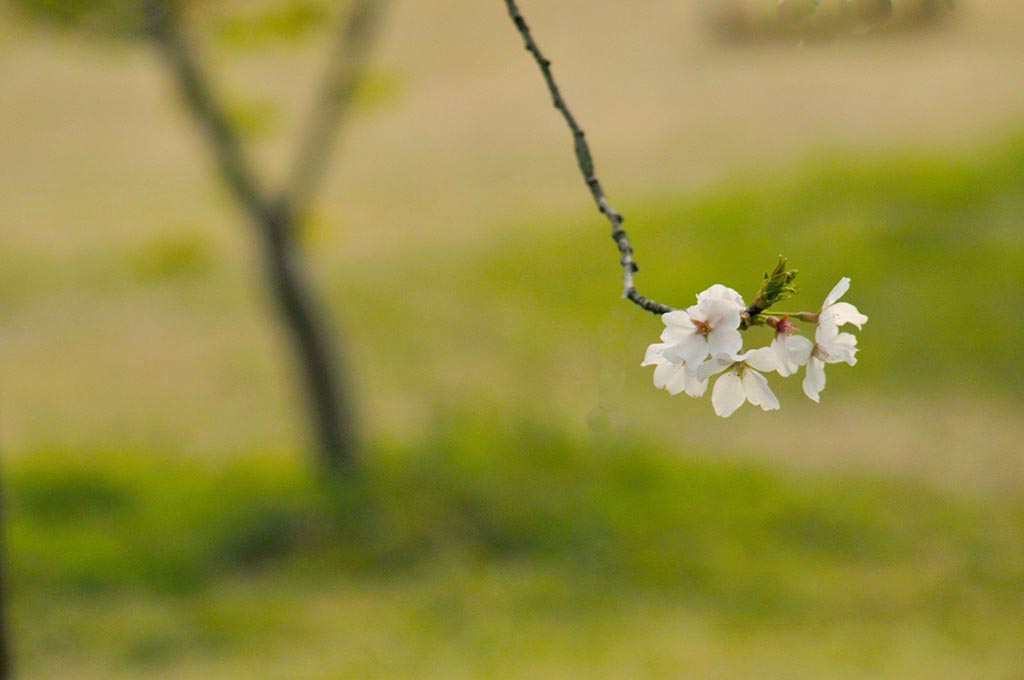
(327, 391)
(276, 217)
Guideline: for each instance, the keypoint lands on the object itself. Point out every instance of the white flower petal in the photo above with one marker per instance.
(663, 373)
(677, 383)
(837, 292)
(728, 394)
(827, 330)
(814, 380)
(716, 364)
(844, 313)
(698, 312)
(725, 340)
(677, 330)
(674, 334)
(800, 348)
(722, 314)
(793, 352)
(758, 393)
(724, 293)
(655, 354)
(780, 346)
(762, 358)
(695, 387)
(690, 350)
(842, 348)
(676, 317)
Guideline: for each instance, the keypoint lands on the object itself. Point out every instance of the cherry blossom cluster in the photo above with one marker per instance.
(705, 340)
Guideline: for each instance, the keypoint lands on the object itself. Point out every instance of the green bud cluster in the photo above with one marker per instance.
(778, 285)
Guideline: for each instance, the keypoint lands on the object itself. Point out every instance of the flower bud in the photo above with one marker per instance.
(778, 285)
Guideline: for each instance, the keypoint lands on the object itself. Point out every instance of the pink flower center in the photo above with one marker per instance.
(703, 327)
(785, 327)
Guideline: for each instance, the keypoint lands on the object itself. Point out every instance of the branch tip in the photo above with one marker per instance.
(586, 165)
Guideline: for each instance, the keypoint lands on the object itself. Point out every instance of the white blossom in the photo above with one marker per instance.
(741, 382)
(709, 327)
(671, 375)
(831, 346)
(791, 350)
(724, 293)
(840, 313)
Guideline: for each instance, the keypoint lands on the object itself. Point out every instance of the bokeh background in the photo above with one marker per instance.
(528, 505)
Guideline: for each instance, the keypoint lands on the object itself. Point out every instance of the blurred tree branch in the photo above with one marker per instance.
(164, 24)
(275, 217)
(346, 69)
(586, 164)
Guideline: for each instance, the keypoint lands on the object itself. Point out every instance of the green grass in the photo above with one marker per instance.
(135, 561)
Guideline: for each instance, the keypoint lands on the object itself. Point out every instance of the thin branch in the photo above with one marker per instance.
(163, 23)
(586, 165)
(345, 71)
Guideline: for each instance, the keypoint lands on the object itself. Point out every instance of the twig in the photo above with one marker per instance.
(586, 164)
(345, 71)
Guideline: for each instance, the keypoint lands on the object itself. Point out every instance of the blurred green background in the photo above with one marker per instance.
(529, 506)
